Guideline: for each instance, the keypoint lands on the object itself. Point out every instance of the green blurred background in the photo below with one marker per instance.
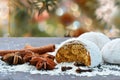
(70, 18)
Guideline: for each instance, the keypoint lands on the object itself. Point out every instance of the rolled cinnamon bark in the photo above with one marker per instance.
(27, 46)
(39, 50)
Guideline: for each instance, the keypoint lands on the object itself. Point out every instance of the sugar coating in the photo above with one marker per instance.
(104, 70)
(98, 38)
(111, 51)
(94, 51)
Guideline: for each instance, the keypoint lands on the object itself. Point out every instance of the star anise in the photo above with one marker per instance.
(43, 63)
(29, 55)
(46, 55)
(13, 58)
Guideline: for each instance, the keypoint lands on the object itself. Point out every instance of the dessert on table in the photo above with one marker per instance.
(79, 50)
(111, 51)
(98, 38)
(88, 55)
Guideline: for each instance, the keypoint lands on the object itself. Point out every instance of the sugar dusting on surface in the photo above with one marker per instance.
(105, 69)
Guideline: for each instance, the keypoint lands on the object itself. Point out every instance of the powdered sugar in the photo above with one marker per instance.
(96, 37)
(92, 48)
(111, 51)
(105, 69)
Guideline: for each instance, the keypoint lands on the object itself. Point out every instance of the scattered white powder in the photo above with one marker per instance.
(95, 58)
(98, 38)
(105, 69)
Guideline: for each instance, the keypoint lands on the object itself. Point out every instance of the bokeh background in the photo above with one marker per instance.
(70, 18)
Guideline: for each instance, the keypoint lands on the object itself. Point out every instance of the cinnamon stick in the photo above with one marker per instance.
(39, 50)
(27, 46)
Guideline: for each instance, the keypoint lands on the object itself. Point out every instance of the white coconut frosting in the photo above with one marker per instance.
(98, 38)
(94, 51)
(111, 51)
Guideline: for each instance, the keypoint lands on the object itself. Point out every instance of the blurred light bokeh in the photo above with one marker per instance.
(70, 18)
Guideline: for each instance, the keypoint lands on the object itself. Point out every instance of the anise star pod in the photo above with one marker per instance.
(12, 58)
(43, 63)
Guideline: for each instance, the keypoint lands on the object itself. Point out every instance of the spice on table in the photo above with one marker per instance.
(43, 63)
(28, 46)
(13, 58)
(28, 56)
(79, 70)
(39, 50)
(78, 64)
(37, 56)
(64, 68)
(31, 54)
(46, 55)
